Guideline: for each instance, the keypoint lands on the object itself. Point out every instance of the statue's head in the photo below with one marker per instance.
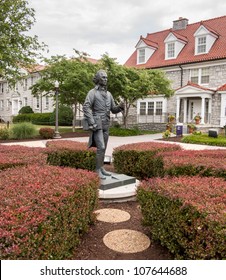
(100, 78)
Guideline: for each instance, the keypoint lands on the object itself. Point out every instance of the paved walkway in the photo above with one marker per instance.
(115, 141)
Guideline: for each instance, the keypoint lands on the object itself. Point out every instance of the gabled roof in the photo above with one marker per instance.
(217, 26)
(222, 88)
(196, 86)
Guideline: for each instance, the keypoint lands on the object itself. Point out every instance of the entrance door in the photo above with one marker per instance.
(15, 107)
(194, 108)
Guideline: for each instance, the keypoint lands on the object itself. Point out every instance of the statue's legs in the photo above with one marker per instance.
(101, 140)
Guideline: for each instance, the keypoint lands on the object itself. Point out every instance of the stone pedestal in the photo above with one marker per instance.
(118, 188)
(116, 180)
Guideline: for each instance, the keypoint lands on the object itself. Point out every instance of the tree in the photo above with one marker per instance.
(17, 50)
(75, 77)
(130, 84)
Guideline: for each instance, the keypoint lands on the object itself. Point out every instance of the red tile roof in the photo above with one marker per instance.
(196, 86)
(157, 60)
(222, 88)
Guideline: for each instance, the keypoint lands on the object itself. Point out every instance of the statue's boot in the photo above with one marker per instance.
(104, 172)
(100, 174)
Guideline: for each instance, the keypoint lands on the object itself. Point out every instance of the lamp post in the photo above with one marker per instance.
(56, 133)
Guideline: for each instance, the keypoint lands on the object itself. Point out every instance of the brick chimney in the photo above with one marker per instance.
(180, 23)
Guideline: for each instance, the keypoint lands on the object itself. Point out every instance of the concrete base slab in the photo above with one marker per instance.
(120, 194)
(116, 180)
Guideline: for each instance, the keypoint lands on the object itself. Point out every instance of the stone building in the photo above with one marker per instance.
(193, 56)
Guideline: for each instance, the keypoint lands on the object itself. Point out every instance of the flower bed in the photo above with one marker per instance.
(44, 210)
(140, 159)
(11, 156)
(71, 153)
(205, 163)
(186, 214)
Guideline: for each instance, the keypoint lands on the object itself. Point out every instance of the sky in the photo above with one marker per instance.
(111, 26)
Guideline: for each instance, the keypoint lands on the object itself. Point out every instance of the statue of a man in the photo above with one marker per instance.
(97, 107)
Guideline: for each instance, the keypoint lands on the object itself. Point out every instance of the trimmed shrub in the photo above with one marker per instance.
(11, 156)
(23, 131)
(205, 139)
(192, 162)
(141, 160)
(71, 153)
(46, 132)
(26, 110)
(186, 214)
(35, 118)
(44, 211)
(4, 133)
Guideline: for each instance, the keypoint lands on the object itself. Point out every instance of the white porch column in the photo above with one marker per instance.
(202, 111)
(209, 110)
(185, 110)
(177, 108)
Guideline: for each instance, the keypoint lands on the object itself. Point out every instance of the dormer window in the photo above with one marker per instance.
(145, 49)
(204, 39)
(201, 45)
(174, 44)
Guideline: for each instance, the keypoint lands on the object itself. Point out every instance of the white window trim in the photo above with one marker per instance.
(199, 75)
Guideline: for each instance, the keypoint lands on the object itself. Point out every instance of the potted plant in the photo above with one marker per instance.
(171, 118)
(197, 119)
(191, 127)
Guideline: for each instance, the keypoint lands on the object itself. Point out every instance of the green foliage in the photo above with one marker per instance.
(46, 132)
(26, 110)
(141, 160)
(35, 118)
(65, 115)
(4, 133)
(16, 19)
(166, 134)
(23, 131)
(71, 154)
(118, 131)
(205, 139)
(186, 215)
(45, 210)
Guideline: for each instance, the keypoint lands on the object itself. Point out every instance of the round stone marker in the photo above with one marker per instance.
(126, 241)
(111, 215)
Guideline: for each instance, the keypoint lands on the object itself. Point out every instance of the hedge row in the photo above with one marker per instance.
(15, 155)
(204, 163)
(186, 214)
(150, 159)
(141, 160)
(70, 153)
(35, 118)
(44, 210)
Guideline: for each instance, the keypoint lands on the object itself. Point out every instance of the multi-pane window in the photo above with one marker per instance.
(142, 108)
(204, 75)
(25, 84)
(159, 108)
(151, 108)
(201, 46)
(1, 104)
(171, 50)
(47, 102)
(25, 101)
(195, 76)
(141, 58)
(200, 76)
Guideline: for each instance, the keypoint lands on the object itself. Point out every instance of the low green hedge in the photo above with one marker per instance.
(186, 215)
(205, 140)
(141, 160)
(70, 153)
(44, 211)
(35, 118)
(191, 162)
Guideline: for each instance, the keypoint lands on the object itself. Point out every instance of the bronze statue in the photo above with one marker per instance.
(97, 107)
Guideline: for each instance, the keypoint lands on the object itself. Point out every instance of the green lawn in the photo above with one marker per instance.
(205, 139)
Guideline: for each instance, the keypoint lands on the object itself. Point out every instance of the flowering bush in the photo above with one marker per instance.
(71, 153)
(19, 155)
(44, 209)
(140, 159)
(186, 214)
(46, 132)
(205, 163)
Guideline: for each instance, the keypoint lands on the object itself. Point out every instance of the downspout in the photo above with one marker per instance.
(181, 76)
